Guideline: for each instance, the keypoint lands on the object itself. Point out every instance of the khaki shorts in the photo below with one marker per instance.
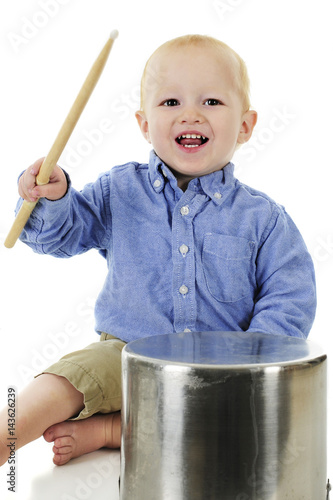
(96, 372)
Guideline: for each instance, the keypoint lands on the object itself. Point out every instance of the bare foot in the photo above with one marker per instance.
(75, 438)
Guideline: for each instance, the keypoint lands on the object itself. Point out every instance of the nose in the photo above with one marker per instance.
(190, 114)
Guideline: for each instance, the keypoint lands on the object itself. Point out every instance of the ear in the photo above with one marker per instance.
(143, 124)
(249, 121)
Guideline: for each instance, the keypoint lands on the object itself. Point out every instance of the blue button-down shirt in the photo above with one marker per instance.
(219, 256)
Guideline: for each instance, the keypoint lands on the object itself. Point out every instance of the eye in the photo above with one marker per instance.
(213, 102)
(170, 102)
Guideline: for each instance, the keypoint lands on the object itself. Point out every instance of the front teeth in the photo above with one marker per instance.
(191, 136)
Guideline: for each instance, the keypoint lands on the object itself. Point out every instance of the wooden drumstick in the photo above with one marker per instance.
(62, 138)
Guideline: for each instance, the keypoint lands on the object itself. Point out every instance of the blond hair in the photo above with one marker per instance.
(242, 81)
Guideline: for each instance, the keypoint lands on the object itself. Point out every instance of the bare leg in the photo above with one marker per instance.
(75, 438)
(47, 400)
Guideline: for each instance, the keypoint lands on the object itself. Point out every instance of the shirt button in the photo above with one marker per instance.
(157, 183)
(185, 210)
(217, 195)
(183, 249)
(183, 290)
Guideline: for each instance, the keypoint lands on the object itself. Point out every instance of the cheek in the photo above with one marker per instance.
(158, 133)
(230, 132)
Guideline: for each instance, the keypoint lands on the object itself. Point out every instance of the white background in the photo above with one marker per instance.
(48, 46)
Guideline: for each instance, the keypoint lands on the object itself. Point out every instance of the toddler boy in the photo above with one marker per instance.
(188, 246)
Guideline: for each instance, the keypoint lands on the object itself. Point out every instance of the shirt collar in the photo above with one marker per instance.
(219, 184)
(216, 185)
(158, 172)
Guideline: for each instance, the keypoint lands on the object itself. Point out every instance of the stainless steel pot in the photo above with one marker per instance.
(223, 416)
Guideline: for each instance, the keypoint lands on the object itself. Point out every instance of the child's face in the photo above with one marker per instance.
(190, 92)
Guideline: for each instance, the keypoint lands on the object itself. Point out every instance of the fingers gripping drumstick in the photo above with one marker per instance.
(62, 138)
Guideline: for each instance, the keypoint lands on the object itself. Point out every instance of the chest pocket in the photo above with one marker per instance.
(228, 267)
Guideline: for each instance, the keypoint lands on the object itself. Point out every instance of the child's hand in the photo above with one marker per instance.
(54, 190)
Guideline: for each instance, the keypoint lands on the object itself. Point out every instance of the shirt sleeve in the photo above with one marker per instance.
(78, 222)
(286, 299)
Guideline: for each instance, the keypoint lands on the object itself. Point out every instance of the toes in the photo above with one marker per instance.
(57, 431)
(63, 441)
(63, 450)
(61, 459)
(49, 435)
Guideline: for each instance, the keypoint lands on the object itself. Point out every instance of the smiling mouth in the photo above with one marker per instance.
(191, 140)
